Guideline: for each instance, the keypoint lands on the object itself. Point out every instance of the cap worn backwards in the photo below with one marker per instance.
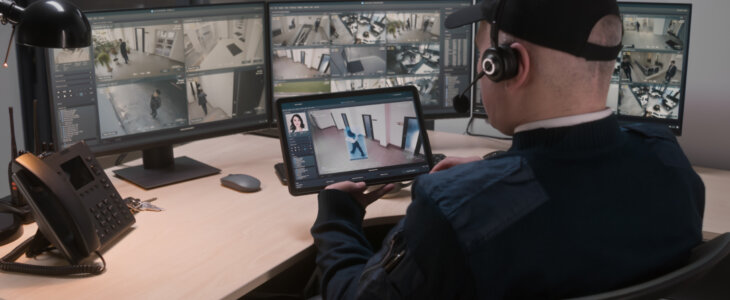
(563, 25)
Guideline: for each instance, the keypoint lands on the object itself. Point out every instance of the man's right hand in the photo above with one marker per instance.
(451, 161)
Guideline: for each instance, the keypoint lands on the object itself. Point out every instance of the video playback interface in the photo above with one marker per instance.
(648, 78)
(333, 140)
(151, 70)
(322, 47)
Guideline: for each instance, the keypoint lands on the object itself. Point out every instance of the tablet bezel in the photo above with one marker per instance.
(285, 142)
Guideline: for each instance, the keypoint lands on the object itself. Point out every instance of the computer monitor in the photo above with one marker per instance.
(336, 46)
(649, 78)
(154, 77)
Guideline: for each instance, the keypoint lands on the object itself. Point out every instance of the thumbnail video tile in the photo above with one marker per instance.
(428, 86)
(71, 55)
(649, 100)
(221, 96)
(357, 84)
(357, 28)
(413, 27)
(300, 30)
(413, 59)
(301, 63)
(138, 52)
(223, 44)
(654, 33)
(651, 67)
(141, 107)
(365, 137)
(367, 61)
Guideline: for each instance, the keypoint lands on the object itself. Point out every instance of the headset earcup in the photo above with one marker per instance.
(510, 62)
(492, 55)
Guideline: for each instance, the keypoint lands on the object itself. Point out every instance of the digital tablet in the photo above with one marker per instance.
(376, 136)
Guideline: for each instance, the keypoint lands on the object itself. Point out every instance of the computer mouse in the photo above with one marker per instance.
(241, 182)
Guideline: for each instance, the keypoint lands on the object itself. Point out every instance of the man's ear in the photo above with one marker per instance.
(523, 68)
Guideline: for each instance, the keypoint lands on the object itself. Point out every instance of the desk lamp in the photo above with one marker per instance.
(47, 24)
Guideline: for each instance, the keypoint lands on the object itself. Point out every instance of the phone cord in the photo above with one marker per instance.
(8, 264)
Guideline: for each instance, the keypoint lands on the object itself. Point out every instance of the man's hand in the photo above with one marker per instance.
(451, 161)
(357, 190)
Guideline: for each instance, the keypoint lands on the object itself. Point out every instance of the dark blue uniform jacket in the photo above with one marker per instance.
(565, 212)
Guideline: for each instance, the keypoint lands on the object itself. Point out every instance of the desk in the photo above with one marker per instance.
(212, 242)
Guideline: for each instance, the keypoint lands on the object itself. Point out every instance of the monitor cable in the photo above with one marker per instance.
(468, 132)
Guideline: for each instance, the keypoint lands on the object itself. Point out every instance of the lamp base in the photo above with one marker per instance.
(11, 227)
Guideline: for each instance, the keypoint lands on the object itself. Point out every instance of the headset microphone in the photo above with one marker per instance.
(461, 102)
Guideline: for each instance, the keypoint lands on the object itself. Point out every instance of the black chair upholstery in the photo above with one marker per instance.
(704, 258)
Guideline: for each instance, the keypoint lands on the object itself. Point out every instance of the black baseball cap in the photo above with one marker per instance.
(562, 25)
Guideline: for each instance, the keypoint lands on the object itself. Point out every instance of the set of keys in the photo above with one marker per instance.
(137, 205)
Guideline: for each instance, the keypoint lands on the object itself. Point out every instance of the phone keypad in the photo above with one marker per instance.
(111, 215)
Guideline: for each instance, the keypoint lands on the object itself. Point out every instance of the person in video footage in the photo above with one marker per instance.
(574, 193)
(296, 124)
(626, 66)
(123, 50)
(155, 103)
(351, 139)
(203, 100)
(671, 71)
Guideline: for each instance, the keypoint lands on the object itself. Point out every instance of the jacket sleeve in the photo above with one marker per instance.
(420, 257)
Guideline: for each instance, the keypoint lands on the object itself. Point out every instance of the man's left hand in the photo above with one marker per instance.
(357, 190)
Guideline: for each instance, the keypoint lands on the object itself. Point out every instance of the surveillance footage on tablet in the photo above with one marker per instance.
(374, 136)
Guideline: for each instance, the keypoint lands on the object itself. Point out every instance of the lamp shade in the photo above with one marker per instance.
(53, 24)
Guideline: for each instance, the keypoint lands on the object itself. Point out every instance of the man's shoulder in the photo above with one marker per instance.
(482, 198)
(661, 142)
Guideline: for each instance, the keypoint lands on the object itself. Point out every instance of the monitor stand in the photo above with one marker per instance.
(161, 168)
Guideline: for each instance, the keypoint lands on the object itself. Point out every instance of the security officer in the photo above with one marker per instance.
(577, 205)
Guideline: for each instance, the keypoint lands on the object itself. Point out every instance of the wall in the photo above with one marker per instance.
(11, 97)
(705, 138)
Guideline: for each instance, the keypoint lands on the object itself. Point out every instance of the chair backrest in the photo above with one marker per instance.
(703, 258)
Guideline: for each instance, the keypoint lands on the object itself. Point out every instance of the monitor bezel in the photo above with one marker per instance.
(285, 143)
(176, 135)
(438, 116)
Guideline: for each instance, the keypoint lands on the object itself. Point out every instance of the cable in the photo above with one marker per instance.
(468, 132)
(8, 264)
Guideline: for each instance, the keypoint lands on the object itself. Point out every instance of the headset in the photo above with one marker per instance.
(499, 62)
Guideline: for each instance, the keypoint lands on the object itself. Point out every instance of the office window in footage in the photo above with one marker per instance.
(322, 47)
(153, 70)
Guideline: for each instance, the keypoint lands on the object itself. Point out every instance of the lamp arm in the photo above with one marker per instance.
(11, 12)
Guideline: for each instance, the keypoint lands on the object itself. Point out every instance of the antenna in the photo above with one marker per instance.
(36, 139)
(13, 145)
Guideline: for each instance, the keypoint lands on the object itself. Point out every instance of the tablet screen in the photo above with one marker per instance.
(376, 136)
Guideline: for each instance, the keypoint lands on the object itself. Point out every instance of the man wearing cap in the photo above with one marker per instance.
(577, 205)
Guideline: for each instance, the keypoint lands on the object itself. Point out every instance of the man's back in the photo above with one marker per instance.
(572, 211)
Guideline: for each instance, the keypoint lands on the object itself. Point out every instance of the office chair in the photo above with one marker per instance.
(704, 257)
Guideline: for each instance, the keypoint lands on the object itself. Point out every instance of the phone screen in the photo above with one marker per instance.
(77, 172)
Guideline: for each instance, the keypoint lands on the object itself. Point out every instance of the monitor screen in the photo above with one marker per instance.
(374, 136)
(649, 77)
(323, 47)
(161, 76)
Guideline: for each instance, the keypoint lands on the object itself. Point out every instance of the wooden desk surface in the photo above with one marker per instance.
(213, 242)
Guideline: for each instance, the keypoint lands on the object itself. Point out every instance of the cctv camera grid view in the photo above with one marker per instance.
(150, 70)
(343, 46)
(648, 78)
(331, 140)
